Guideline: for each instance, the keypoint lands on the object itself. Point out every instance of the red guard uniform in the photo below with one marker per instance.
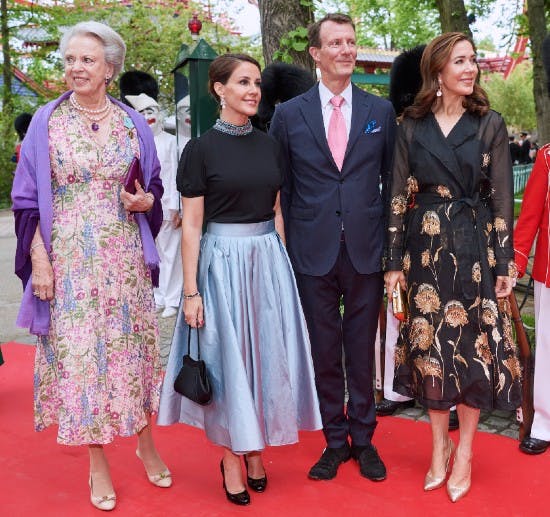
(534, 221)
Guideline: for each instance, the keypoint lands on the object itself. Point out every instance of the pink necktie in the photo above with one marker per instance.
(337, 134)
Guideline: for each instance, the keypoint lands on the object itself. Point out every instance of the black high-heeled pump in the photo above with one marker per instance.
(258, 485)
(242, 498)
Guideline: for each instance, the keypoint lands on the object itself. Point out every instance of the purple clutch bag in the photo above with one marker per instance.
(134, 173)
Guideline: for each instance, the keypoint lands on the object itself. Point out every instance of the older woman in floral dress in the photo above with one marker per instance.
(87, 259)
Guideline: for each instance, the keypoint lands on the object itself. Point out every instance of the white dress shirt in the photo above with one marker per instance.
(325, 94)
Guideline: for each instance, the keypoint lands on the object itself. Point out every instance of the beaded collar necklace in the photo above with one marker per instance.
(232, 129)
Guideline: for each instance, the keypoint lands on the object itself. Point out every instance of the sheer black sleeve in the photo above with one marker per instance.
(396, 207)
(502, 196)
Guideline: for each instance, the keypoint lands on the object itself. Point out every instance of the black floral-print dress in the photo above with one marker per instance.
(450, 231)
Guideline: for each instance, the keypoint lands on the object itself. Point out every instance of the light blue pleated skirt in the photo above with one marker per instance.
(254, 342)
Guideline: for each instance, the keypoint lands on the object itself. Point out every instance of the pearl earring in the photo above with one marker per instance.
(222, 102)
(439, 93)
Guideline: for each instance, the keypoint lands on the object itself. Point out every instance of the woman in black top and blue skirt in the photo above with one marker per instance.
(239, 289)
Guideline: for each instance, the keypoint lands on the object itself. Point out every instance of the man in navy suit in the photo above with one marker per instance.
(332, 204)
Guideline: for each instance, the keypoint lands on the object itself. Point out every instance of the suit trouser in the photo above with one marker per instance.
(355, 332)
(541, 390)
(168, 242)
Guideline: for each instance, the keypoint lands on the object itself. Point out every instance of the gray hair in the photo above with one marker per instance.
(113, 45)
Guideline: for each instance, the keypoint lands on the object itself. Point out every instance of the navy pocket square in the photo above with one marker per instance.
(371, 128)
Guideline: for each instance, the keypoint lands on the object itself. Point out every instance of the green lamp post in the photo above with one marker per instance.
(191, 73)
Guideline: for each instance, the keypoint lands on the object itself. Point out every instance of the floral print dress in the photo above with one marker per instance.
(450, 231)
(98, 371)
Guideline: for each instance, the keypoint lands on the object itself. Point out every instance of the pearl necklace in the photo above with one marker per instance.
(88, 113)
(79, 107)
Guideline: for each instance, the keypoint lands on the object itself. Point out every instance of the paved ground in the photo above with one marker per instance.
(502, 422)
(10, 285)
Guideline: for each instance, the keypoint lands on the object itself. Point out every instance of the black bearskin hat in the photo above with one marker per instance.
(546, 59)
(280, 82)
(405, 78)
(21, 124)
(135, 82)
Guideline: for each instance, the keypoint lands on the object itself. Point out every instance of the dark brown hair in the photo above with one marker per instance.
(434, 58)
(222, 67)
(314, 30)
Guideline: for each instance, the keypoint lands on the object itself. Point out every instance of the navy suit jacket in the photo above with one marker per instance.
(316, 198)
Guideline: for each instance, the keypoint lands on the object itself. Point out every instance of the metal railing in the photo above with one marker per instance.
(521, 174)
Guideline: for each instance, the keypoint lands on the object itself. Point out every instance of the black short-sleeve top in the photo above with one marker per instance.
(239, 176)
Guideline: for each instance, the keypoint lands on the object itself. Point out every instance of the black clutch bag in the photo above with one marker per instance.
(192, 381)
(134, 173)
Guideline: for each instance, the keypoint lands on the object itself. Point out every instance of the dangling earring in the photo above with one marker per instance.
(438, 92)
(222, 102)
(107, 79)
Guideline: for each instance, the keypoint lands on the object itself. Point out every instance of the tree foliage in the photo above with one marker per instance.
(391, 24)
(400, 24)
(513, 97)
(153, 34)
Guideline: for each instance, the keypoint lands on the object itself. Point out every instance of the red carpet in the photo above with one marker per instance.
(39, 477)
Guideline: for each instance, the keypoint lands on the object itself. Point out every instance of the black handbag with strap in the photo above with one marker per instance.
(192, 381)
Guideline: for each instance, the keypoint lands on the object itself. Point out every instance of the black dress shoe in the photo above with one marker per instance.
(242, 498)
(370, 464)
(388, 407)
(453, 420)
(327, 466)
(530, 445)
(256, 484)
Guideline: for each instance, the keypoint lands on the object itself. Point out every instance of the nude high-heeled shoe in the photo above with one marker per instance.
(457, 492)
(432, 482)
(105, 502)
(161, 479)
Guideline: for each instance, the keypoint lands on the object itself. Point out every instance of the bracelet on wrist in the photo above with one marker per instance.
(36, 245)
(189, 296)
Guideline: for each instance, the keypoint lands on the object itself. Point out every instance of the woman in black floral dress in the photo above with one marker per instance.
(450, 247)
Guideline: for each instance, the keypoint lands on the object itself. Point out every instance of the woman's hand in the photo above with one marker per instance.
(391, 279)
(503, 286)
(175, 218)
(141, 201)
(193, 311)
(42, 274)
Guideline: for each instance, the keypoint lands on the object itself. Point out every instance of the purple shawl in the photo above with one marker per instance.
(32, 205)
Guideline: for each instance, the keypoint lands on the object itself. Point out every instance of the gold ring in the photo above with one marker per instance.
(36, 293)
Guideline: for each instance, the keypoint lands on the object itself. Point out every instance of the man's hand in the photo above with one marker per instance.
(176, 219)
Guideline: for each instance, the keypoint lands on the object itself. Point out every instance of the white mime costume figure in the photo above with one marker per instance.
(168, 241)
(183, 124)
(392, 400)
(392, 333)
